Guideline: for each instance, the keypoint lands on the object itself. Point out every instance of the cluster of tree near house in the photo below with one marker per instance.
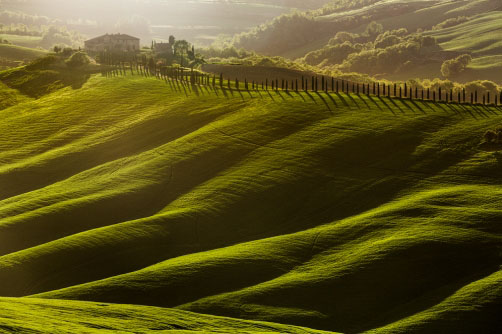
(115, 48)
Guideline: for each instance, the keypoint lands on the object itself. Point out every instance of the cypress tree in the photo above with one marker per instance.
(405, 90)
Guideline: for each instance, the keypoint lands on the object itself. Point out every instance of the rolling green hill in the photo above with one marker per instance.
(15, 52)
(13, 55)
(335, 212)
(45, 316)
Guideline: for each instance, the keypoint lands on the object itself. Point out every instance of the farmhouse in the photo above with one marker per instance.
(166, 48)
(113, 42)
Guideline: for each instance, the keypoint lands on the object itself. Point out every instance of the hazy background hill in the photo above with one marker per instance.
(198, 21)
(339, 36)
(398, 40)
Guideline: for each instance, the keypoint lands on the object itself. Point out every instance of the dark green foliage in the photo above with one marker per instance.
(46, 75)
(43, 63)
(490, 136)
(78, 59)
(455, 66)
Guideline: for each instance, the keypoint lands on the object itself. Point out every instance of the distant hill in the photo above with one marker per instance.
(313, 35)
(13, 55)
(336, 212)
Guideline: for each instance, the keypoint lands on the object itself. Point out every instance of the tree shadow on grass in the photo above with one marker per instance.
(386, 105)
(311, 97)
(332, 99)
(268, 92)
(415, 104)
(353, 100)
(342, 99)
(277, 92)
(405, 103)
(372, 100)
(323, 100)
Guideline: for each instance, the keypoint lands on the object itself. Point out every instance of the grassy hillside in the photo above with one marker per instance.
(10, 97)
(22, 41)
(14, 52)
(336, 212)
(312, 38)
(45, 316)
(12, 55)
(479, 36)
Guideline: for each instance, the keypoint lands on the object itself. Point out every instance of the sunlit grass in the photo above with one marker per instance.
(342, 212)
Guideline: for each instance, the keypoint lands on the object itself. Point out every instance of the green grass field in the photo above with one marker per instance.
(47, 316)
(335, 212)
(15, 52)
(479, 36)
(24, 41)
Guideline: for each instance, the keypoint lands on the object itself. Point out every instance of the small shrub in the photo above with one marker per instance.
(67, 52)
(490, 136)
(78, 59)
(42, 63)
